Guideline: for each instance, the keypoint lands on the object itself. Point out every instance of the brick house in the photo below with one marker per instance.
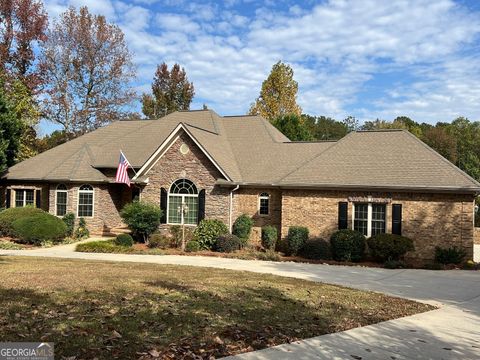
(221, 167)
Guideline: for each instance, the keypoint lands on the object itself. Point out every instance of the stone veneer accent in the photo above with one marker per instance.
(108, 201)
(477, 236)
(246, 201)
(196, 167)
(431, 220)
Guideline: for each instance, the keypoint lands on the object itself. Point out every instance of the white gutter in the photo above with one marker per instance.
(230, 224)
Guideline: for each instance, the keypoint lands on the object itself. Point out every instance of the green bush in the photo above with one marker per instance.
(142, 218)
(316, 249)
(269, 255)
(38, 228)
(9, 245)
(8, 216)
(192, 246)
(124, 240)
(208, 231)
(395, 264)
(69, 220)
(159, 241)
(451, 255)
(103, 247)
(242, 228)
(347, 245)
(296, 239)
(385, 247)
(81, 232)
(176, 231)
(227, 243)
(269, 237)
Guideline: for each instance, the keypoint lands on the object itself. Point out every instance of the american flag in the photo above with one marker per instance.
(122, 170)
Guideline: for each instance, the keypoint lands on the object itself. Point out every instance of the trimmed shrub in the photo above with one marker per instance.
(395, 264)
(208, 231)
(385, 247)
(159, 241)
(296, 239)
(8, 216)
(316, 249)
(242, 228)
(124, 240)
(103, 247)
(269, 237)
(81, 232)
(192, 246)
(451, 255)
(39, 228)
(268, 255)
(69, 220)
(142, 218)
(227, 243)
(347, 245)
(176, 231)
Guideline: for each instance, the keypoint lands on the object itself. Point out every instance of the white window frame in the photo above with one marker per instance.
(93, 200)
(264, 196)
(369, 217)
(183, 196)
(57, 190)
(14, 198)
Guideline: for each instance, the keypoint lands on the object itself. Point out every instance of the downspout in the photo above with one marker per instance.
(230, 224)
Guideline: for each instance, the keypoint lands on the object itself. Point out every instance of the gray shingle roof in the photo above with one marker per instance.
(251, 151)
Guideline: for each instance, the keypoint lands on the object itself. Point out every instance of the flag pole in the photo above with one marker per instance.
(130, 166)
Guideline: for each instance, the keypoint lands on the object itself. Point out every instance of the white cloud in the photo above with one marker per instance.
(337, 49)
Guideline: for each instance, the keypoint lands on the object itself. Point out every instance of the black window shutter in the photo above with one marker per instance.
(8, 197)
(397, 219)
(201, 205)
(342, 215)
(38, 198)
(163, 205)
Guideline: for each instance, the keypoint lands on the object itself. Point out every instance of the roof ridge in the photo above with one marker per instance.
(200, 128)
(379, 130)
(265, 124)
(468, 177)
(316, 156)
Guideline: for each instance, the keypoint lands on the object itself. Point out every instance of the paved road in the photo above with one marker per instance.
(451, 332)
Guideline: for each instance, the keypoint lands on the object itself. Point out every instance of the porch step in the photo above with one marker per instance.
(111, 231)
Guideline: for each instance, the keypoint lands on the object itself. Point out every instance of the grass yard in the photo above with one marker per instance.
(111, 310)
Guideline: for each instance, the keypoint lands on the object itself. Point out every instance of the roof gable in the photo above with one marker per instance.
(165, 145)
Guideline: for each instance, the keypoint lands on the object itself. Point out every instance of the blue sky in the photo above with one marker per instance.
(369, 58)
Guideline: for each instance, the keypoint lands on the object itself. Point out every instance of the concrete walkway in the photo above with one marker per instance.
(451, 332)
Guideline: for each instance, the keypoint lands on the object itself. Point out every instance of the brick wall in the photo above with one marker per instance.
(246, 201)
(27, 185)
(194, 166)
(429, 219)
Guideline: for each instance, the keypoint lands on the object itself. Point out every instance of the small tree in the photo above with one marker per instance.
(142, 218)
(242, 228)
(171, 91)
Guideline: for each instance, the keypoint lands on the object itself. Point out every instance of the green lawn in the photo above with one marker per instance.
(127, 310)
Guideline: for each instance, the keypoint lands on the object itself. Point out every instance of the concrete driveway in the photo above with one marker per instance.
(451, 332)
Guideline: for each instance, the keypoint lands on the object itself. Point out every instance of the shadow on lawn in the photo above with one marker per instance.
(175, 319)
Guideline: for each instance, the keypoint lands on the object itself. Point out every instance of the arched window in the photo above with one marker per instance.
(182, 207)
(85, 201)
(264, 204)
(61, 197)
